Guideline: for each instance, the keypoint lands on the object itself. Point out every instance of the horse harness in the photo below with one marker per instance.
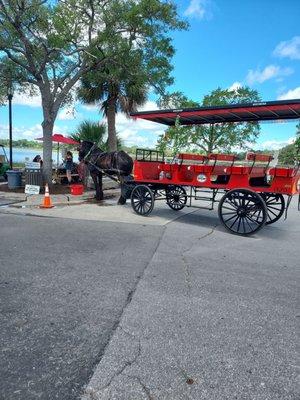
(106, 172)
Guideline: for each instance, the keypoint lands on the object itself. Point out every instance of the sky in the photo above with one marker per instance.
(229, 43)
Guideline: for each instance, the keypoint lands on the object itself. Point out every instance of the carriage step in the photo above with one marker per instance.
(203, 198)
(200, 195)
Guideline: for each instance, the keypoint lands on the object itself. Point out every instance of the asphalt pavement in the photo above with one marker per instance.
(167, 307)
(214, 318)
(64, 285)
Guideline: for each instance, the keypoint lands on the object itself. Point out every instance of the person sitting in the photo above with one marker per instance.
(69, 165)
(82, 172)
(38, 158)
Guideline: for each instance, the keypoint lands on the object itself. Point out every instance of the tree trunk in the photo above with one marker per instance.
(50, 111)
(111, 124)
(47, 150)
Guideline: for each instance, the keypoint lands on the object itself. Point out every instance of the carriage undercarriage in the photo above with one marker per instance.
(241, 211)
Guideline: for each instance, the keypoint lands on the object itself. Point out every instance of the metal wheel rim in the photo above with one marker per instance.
(142, 200)
(174, 202)
(242, 212)
(275, 206)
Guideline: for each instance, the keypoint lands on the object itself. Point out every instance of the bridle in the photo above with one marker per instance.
(89, 152)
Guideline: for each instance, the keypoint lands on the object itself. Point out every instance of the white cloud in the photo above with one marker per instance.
(199, 9)
(290, 94)
(269, 72)
(26, 100)
(68, 113)
(30, 133)
(289, 48)
(274, 144)
(20, 132)
(139, 132)
(235, 86)
(90, 107)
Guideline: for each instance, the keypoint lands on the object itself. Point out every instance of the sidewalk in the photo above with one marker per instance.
(85, 207)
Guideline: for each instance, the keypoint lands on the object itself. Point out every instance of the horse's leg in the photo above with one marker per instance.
(123, 197)
(94, 176)
(100, 186)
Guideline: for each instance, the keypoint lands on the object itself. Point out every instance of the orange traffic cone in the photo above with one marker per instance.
(47, 203)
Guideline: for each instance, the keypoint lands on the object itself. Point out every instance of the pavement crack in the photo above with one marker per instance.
(117, 324)
(187, 274)
(121, 370)
(187, 268)
(210, 232)
(144, 387)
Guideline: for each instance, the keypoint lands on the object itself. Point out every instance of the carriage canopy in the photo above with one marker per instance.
(261, 111)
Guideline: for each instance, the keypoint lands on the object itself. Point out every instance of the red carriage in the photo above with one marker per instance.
(250, 194)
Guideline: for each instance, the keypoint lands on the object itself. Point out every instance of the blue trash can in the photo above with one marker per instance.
(14, 179)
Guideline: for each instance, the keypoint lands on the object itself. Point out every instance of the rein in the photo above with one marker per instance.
(89, 152)
(93, 162)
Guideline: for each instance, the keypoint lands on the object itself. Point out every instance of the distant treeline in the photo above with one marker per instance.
(24, 143)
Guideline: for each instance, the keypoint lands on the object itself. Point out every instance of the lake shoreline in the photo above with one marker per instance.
(20, 155)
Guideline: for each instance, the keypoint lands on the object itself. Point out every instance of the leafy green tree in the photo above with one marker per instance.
(123, 86)
(291, 153)
(114, 89)
(210, 137)
(93, 132)
(287, 154)
(54, 44)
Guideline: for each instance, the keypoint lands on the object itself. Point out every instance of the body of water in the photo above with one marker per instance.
(21, 155)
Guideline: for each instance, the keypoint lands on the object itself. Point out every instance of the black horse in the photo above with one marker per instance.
(116, 163)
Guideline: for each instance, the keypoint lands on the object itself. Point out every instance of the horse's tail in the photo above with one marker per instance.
(125, 164)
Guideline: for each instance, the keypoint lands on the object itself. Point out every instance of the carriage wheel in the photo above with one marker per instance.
(275, 204)
(242, 211)
(176, 197)
(142, 200)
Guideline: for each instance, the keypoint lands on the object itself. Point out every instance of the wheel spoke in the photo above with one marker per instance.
(275, 205)
(274, 208)
(251, 219)
(244, 225)
(272, 212)
(226, 220)
(251, 229)
(242, 211)
(239, 224)
(234, 222)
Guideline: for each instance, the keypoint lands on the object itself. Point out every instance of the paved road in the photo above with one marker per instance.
(63, 286)
(179, 311)
(214, 318)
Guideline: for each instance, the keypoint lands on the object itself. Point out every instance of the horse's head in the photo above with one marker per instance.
(83, 149)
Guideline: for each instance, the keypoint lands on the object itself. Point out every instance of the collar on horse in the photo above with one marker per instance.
(93, 163)
(85, 158)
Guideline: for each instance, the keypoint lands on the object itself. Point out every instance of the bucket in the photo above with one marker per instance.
(76, 190)
(14, 179)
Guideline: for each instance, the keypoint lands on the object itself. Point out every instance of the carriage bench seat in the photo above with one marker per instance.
(192, 157)
(222, 157)
(259, 157)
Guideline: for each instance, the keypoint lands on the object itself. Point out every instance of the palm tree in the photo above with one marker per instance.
(115, 90)
(91, 131)
(94, 132)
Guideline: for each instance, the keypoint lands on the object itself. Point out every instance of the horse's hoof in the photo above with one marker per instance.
(122, 201)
